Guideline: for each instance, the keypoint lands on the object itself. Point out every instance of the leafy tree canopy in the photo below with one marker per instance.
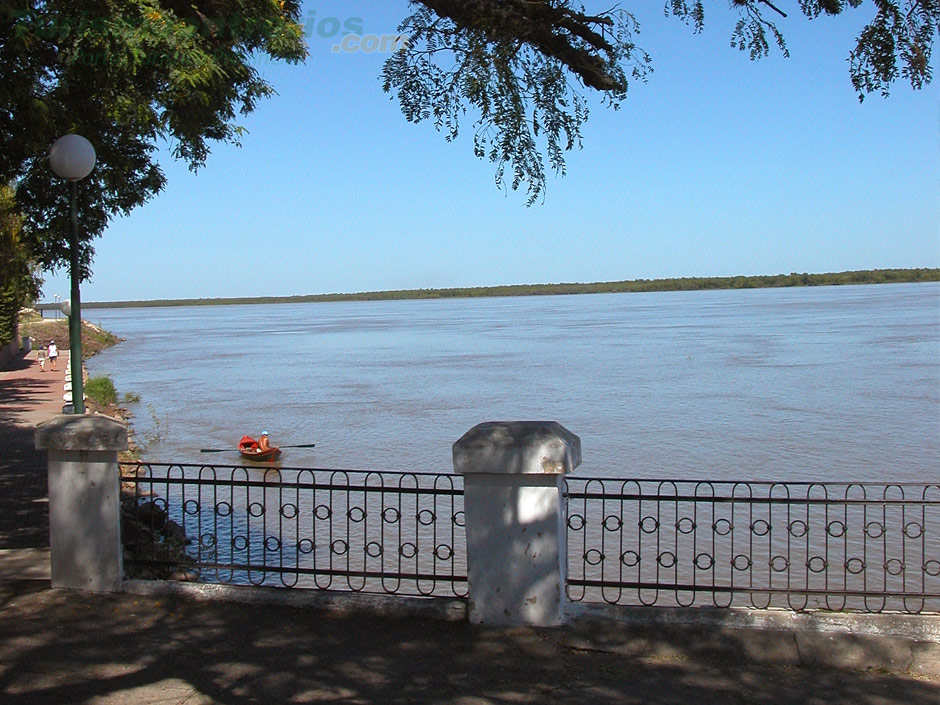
(130, 73)
(126, 74)
(19, 279)
(513, 61)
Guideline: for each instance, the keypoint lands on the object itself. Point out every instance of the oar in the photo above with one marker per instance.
(226, 450)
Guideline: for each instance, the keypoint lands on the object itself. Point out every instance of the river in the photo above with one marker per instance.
(816, 383)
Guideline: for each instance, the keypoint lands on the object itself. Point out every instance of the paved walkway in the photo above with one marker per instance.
(59, 646)
(27, 397)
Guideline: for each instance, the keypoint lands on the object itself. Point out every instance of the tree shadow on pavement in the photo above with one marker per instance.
(67, 647)
(24, 508)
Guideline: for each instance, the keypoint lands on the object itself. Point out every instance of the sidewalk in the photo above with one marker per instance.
(58, 646)
(65, 647)
(27, 397)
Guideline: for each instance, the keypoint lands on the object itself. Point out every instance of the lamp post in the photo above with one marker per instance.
(72, 157)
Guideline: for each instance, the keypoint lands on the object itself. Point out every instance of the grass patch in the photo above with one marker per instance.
(101, 390)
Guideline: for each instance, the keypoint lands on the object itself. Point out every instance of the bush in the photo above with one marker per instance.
(101, 390)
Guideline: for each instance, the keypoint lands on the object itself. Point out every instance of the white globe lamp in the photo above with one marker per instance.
(72, 157)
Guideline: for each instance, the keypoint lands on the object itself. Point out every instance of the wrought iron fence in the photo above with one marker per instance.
(398, 533)
(837, 546)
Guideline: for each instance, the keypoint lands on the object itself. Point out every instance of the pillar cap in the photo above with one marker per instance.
(517, 448)
(81, 432)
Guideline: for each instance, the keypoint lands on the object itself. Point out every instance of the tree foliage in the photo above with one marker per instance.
(523, 66)
(19, 280)
(128, 75)
(512, 63)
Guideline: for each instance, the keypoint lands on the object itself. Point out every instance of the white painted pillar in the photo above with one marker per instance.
(515, 519)
(84, 500)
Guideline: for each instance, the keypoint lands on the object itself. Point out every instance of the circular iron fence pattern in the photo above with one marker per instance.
(722, 527)
(704, 561)
(666, 559)
(378, 531)
(408, 550)
(841, 546)
(760, 527)
(817, 564)
(798, 528)
(851, 546)
(373, 549)
(629, 558)
(894, 566)
(855, 566)
(356, 514)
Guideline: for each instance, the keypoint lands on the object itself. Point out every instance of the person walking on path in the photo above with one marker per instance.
(53, 355)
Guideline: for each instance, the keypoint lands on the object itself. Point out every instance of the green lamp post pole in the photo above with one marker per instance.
(72, 157)
(75, 318)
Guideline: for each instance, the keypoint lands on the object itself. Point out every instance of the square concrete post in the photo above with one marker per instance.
(516, 519)
(84, 500)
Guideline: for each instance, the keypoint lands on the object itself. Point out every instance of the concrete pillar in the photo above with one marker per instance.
(515, 519)
(84, 500)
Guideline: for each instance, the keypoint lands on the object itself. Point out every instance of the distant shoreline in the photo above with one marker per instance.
(868, 276)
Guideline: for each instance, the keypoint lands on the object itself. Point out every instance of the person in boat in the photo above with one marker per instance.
(264, 443)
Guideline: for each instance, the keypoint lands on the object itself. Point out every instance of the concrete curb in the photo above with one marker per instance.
(897, 643)
(343, 603)
(889, 642)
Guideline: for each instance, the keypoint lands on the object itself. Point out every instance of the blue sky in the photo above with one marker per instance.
(717, 166)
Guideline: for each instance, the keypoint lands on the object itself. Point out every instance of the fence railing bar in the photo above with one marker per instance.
(280, 570)
(273, 485)
(597, 496)
(680, 587)
(260, 468)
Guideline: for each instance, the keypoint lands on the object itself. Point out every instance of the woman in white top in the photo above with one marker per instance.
(53, 353)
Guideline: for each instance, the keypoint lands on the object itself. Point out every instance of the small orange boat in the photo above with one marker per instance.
(249, 450)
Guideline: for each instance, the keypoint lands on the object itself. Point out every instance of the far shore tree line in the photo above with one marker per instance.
(523, 73)
(869, 276)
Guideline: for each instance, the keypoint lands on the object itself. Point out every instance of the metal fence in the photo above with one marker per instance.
(860, 547)
(397, 533)
(798, 546)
